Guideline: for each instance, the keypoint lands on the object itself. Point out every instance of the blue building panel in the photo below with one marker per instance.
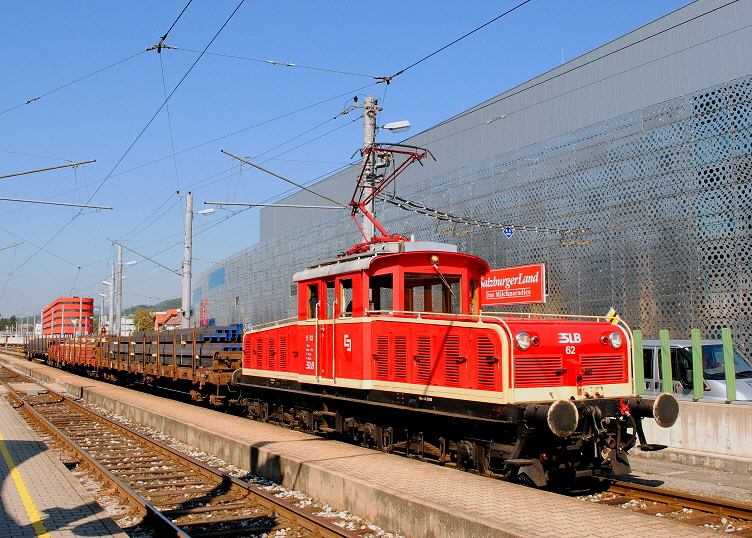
(216, 278)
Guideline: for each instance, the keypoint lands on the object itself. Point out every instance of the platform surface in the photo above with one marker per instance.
(401, 495)
(39, 495)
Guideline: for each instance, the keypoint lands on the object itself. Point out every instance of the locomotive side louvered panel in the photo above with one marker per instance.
(422, 360)
(248, 355)
(452, 360)
(608, 369)
(270, 353)
(258, 352)
(400, 358)
(381, 357)
(538, 372)
(283, 353)
(488, 362)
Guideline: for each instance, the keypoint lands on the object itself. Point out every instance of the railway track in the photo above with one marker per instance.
(173, 494)
(688, 508)
(691, 509)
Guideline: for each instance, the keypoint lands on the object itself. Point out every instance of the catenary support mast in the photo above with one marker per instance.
(185, 320)
(368, 178)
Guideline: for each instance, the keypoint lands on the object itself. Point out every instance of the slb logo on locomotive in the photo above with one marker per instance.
(348, 342)
(570, 338)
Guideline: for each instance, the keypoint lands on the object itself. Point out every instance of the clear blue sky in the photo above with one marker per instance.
(227, 103)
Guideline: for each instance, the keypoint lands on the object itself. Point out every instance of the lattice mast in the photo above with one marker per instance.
(374, 178)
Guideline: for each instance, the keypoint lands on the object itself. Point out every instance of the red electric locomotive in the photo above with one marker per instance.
(390, 347)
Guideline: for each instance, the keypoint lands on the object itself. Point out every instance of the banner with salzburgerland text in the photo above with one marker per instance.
(524, 284)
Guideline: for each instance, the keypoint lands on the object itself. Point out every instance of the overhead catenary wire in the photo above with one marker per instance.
(71, 83)
(285, 64)
(284, 178)
(145, 257)
(132, 233)
(167, 99)
(260, 124)
(109, 175)
(197, 185)
(169, 120)
(24, 240)
(10, 273)
(33, 155)
(389, 79)
(306, 142)
(161, 40)
(295, 138)
(527, 87)
(422, 209)
(204, 228)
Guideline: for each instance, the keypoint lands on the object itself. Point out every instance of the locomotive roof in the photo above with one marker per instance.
(359, 262)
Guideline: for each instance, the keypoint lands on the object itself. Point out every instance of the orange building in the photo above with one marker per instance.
(167, 320)
(68, 315)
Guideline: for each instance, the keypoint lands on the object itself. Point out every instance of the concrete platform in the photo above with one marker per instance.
(39, 495)
(398, 494)
(713, 435)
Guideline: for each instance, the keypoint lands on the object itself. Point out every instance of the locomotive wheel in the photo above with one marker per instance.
(465, 455)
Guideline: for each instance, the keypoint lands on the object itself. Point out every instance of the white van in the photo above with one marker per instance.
(681, 370)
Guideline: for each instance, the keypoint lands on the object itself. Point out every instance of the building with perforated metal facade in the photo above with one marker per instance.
(627, 171)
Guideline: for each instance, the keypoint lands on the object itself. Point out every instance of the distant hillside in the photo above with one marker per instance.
(159, 307)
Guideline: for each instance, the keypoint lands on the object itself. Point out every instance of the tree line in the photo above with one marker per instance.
(8, 324)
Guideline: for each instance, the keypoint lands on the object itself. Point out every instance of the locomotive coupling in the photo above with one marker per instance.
(664, 409)
(561, 416)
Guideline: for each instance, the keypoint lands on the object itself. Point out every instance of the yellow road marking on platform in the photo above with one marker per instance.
(31, 509)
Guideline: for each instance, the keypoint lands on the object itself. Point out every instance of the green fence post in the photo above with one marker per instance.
(666, 379)
(728, 364)
(698, 381)
(639, 367)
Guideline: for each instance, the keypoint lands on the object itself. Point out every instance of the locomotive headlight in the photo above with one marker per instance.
(615, 339)
(523, 340)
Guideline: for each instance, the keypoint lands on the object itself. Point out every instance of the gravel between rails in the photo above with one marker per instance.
(695, 480)
(131, 525)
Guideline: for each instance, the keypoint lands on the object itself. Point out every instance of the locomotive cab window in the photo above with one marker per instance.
(313, 299)
(345, 297)
(432, 293)
(474, 302)
(381, 292)
(330, 299)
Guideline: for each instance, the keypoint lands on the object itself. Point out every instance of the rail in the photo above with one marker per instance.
(711, 510)
(175, 494)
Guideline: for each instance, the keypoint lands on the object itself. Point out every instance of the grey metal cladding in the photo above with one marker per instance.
(647, 149)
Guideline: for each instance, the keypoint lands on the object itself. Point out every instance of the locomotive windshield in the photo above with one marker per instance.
(432, 293)
(381, 292)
